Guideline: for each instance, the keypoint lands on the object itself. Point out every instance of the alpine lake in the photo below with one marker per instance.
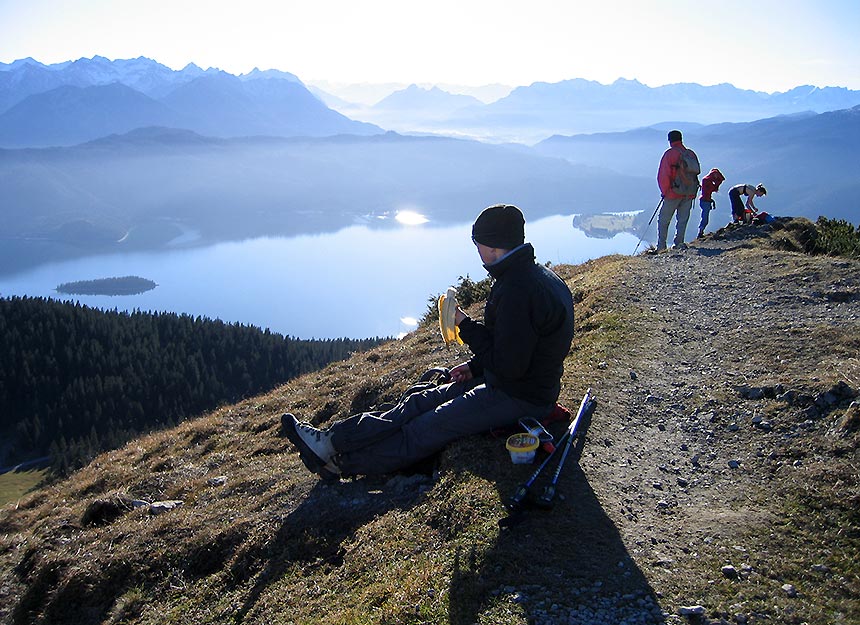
(359, 282)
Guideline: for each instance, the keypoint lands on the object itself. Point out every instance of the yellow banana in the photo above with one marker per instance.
(447, 318)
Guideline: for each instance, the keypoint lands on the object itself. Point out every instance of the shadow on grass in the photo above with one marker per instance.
(540, 567)
(308, 542)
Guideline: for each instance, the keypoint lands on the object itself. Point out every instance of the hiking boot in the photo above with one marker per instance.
(330, 472)
(680, 246)
(315, 447)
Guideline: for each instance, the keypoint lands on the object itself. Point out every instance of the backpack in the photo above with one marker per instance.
(685, 181)
(763, 218)
(429, 379)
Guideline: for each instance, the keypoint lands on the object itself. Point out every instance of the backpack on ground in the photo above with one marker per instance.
(685, 178)
(559, 413)
(429, 379)
(763, 218)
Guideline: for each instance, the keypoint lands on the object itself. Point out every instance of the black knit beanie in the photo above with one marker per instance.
(501, 226)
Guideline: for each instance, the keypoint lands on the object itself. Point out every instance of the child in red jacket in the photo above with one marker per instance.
(710, 184)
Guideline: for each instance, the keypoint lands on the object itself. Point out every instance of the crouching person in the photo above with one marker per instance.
(515, 371)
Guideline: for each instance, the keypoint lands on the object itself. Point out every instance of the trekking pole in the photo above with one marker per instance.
(548, 495)
(516, 500)
(648, 225)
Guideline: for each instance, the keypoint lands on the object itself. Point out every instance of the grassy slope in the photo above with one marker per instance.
(275, 546)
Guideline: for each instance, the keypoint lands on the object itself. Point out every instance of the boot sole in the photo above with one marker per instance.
(312, 462)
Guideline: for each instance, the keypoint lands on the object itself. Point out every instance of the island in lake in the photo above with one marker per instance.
(127, 285)
(607, 225)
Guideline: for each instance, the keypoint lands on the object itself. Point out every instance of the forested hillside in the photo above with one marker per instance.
(76, 380)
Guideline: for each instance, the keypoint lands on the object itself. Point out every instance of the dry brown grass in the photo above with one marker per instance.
(273, 545)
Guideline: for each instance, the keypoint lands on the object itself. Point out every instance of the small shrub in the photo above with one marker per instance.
(431, 314)
(469, 292)
(835, 237)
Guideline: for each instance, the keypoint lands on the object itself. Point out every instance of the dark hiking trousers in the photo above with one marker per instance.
(738, 206)
(423, 424)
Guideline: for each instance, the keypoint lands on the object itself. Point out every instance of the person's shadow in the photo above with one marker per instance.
(588, 564)
(312, 534)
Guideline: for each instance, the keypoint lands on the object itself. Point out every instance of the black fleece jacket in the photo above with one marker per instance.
(527, 330)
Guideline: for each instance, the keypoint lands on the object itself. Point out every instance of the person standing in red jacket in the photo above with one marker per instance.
(710, 184)
(678, 179)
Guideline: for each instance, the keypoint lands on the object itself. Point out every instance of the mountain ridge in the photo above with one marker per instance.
(255, 186)
(39, 120)
(37, 107)
(785, 153)
(716, 477)
(529, 114)
(526, 114)
(436, 99)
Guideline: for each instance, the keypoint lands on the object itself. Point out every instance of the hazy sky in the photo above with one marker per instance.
(768, 45)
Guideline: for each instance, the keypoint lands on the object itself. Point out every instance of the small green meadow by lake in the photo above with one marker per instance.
(16, 484)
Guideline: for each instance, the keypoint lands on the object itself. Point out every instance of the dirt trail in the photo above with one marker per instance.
(733, 344)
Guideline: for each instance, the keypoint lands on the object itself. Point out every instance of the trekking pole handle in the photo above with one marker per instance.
(575, 423)
(571, 434)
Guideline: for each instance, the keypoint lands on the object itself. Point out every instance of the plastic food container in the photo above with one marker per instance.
(522, 447)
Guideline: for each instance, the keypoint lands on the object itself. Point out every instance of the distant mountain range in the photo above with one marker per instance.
(75, 102)
(368, 94)
(532, 113)
(27, 77)
(434, 101)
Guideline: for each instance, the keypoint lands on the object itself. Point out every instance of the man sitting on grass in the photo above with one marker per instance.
(515, 370)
